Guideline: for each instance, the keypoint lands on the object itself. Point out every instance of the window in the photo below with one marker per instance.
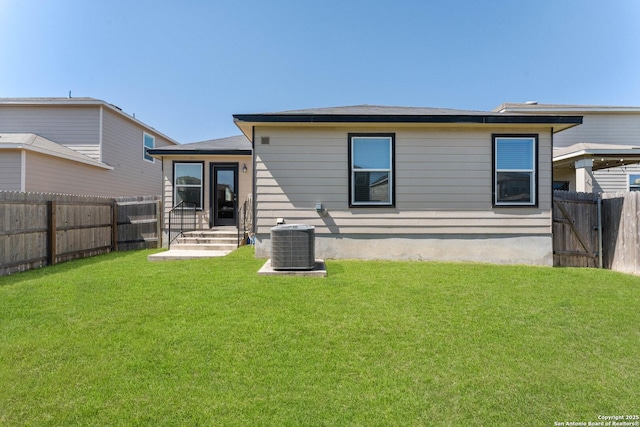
(371, 169)
(561, 185)
(149, 142)
(515, 178)
(187, 183)
(634, 182)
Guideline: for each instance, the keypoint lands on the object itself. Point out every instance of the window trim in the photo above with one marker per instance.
(629, 180)
(146, 157)
(534, 171)
(392, 171)
(186, 162)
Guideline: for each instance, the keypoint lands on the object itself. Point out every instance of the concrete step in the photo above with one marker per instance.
(204, 246)
(206, 239)
(230, 233)
(176, 254)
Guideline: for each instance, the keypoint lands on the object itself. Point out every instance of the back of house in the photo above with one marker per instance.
(80, 146)
(407, 183)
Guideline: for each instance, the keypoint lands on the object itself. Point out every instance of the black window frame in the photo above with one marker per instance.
(535, 192)
(188, 162)
(392, 171)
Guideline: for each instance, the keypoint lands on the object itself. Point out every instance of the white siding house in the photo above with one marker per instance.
(76, 146)
(407, 183)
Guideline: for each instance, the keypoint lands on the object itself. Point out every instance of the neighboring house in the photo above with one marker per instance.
(77, 146)
(215, 175)
(601, 155)
(408, 183)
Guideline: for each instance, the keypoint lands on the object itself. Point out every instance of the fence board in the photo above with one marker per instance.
(621, 231)
(38, 229)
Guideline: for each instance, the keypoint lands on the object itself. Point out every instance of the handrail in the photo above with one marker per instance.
(182, 217)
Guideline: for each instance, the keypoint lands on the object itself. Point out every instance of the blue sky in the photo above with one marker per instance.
(184, 67)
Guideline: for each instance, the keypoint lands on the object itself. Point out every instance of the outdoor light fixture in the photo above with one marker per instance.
(244, 168)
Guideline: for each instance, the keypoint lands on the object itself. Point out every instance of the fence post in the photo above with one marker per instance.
(159, 222)
(600, 245)
(114, 226)
(51, 232)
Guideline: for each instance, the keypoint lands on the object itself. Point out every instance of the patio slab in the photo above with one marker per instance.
(175, 254)
(320, 270)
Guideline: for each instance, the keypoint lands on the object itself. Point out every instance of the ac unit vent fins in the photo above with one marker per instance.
(293, 247)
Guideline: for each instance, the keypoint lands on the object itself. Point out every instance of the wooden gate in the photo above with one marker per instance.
(575, 229)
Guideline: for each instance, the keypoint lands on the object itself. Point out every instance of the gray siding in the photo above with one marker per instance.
(11, 168)
(244, 182)
(77, 127)
(49, 174)
(96, 131)
(602, 128)
(618, 128)
(122, 148)
(443, 184)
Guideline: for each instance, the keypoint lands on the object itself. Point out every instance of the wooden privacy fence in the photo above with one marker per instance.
(621, 231)
(597, 230)
(39, 229)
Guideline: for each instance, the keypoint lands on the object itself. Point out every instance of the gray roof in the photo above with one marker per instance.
(380, 110)
(238, 144)
(51, 100)
(370, 114)
(36, 143)
(534, 107)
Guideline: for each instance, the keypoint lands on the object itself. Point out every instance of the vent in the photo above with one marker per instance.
(264, 140)
(293, 247)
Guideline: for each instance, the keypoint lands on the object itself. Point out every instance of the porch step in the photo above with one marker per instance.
(204, 246)
(216, 239)
(201, 244)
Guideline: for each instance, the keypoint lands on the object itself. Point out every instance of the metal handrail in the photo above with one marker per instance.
(182, 217)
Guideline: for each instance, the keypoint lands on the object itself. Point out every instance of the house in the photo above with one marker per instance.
(601, 155)
(408, 183)
(215, 176)
(79, 146)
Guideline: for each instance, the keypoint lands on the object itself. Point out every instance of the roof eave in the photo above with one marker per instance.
(27, 147)
(246, 121)
(159, 153)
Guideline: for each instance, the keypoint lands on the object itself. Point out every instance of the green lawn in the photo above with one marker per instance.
(117, 340)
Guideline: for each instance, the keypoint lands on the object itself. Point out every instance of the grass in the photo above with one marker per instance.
(116, 340)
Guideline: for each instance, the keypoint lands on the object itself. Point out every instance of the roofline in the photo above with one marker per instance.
(161, 152)
(600, 152)
(247, 122)
(551, 108)
(83, 102)
(408, 118)
(27, 147)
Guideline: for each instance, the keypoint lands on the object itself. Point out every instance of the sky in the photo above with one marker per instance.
(185, 67)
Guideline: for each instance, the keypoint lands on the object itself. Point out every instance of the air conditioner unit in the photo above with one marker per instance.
(293, 247)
